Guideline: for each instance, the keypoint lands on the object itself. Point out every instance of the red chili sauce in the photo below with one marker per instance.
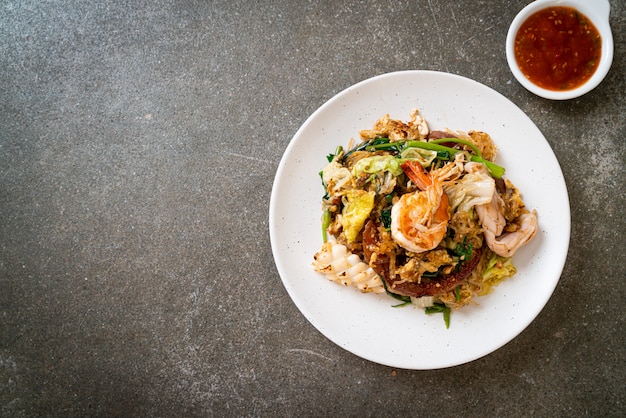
(558, 48)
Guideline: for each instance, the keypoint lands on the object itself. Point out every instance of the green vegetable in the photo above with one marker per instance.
(444, 155)
(423, 156)
(364, 145)
(338, 151)
(457, 141)
(370, 178)
(495, 170)
(435, 145)
(463, 250)
(405, 299)
(498, 269)
(384, 144)
(377, 164)
(326, 218)
(326, 194)
(385, 216)
(437, 308)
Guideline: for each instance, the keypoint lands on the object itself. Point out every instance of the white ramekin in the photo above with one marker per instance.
(598, 12)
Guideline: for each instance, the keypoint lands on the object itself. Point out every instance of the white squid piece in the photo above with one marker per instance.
(493, 222)
(339, 265)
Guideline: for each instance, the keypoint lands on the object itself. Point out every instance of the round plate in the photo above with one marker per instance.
(367, 324)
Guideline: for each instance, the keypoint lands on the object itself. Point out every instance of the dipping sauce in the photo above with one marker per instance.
(558, 48)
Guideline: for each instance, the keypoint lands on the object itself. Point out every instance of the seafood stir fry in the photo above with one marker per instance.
(424, 216)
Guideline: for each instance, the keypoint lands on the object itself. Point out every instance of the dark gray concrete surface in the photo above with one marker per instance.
(138, 145)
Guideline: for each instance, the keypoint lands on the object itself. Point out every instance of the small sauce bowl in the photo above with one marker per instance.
(597, 11)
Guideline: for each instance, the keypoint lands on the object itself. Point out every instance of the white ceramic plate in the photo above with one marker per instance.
(366, 324)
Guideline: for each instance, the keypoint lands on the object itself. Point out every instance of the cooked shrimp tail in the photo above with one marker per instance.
(419, 220)
(416, 173)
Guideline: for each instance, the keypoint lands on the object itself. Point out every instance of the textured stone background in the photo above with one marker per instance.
(138, 145)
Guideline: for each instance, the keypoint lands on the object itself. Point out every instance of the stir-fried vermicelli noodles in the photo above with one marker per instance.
(425, 216)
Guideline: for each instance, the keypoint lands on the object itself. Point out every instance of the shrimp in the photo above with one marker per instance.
(494, 222)
(419, 220)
